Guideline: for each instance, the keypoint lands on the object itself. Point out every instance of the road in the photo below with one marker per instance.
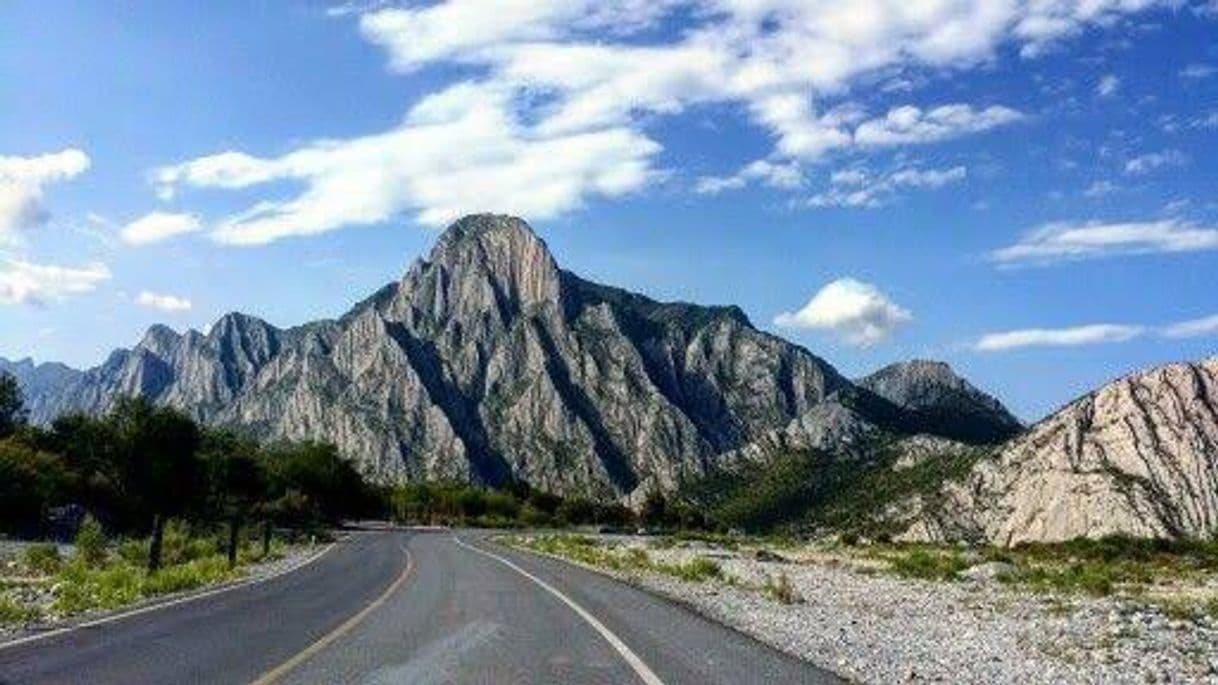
(406, 607)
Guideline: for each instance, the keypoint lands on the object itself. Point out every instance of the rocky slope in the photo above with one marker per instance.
(1138, 457)
(487, 362)
(943, 402)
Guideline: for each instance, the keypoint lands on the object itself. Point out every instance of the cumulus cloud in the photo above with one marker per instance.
(559, 92)
(1058, 337)
(1064, 241)
(1144, 164)
(1108, 85)
(858, 188)
(23, 282)
(23, 181)
(165, 303)
(857, 312)
(158, 226)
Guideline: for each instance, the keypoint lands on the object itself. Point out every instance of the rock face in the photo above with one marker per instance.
(942, 402)
(486, 362)
(1137, 457)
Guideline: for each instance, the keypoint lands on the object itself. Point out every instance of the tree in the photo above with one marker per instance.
(30, 482)
(655, 510)
(238, 484)
(160, 463)
(13, 414)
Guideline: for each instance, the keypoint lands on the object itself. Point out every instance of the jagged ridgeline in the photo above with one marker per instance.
(488, 363)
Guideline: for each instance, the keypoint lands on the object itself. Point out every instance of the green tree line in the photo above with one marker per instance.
(141, 465)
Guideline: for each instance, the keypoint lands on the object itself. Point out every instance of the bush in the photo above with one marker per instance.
(927, 565)
(81, 588)
(188, 576)
(12, 613)
(696, 570)
(43, 559)
(91, 543)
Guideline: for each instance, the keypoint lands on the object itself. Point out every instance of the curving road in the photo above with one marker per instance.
(406, 607)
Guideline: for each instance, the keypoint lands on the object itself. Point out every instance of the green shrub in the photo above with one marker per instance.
(91, 543)
(12, 612)
(81, 588)
(696, 570)
(927, 565)
(134, 552)
(187, 576)
(43, 559)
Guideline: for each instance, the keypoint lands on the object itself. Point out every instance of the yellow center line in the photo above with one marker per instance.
(275, 674)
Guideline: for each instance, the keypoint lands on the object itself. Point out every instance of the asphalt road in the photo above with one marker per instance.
(402, 607)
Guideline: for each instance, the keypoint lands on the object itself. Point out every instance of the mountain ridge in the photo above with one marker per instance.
(487, 362)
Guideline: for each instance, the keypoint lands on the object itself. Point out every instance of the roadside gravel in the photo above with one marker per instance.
(872, 627)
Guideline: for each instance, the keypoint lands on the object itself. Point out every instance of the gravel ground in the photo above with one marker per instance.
(875, 628)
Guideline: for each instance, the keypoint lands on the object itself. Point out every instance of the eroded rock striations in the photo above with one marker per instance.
(1137, 457)
(487, 362)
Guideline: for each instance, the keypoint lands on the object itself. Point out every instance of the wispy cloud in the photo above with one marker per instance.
(1066, 241)
(1058, 337)
(858, 313)
(860, 188)
(1152, 161)
(158, 226)
(1193, 328)
(1198, 71)
(1108, 85)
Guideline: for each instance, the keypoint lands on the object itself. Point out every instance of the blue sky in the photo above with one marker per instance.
(1024, 188)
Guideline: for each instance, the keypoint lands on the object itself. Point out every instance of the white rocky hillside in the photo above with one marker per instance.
(1137, 457)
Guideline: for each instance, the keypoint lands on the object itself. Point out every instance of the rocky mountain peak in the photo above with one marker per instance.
(160, 340)
(482, 264)
(947, 403)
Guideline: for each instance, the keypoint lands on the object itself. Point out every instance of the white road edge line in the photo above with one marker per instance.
(640, 667)
(165, 605)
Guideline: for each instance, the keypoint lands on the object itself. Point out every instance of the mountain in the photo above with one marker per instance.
(487, 362)
(1137, 457)
(943, 402)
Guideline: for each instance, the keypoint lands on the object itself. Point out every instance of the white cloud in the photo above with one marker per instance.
(158, 226)
(1108, 85)
(23, 181)
(1064, 241)
(23, 282)
(560, 92)
(910, 125)
(1058, 337)
(855, 311)
(858, 188)
(1144, 164)
(1194, 328)
(165, 303)
(1198, 71)
(1100, 189)
(460, 151)
(774, 175)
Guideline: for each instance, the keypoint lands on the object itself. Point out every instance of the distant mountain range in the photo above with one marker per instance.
(488, 362)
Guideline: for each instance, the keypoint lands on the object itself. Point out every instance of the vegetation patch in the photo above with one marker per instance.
(808, 492)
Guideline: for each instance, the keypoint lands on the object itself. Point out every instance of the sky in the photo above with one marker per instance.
(1025, 189)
